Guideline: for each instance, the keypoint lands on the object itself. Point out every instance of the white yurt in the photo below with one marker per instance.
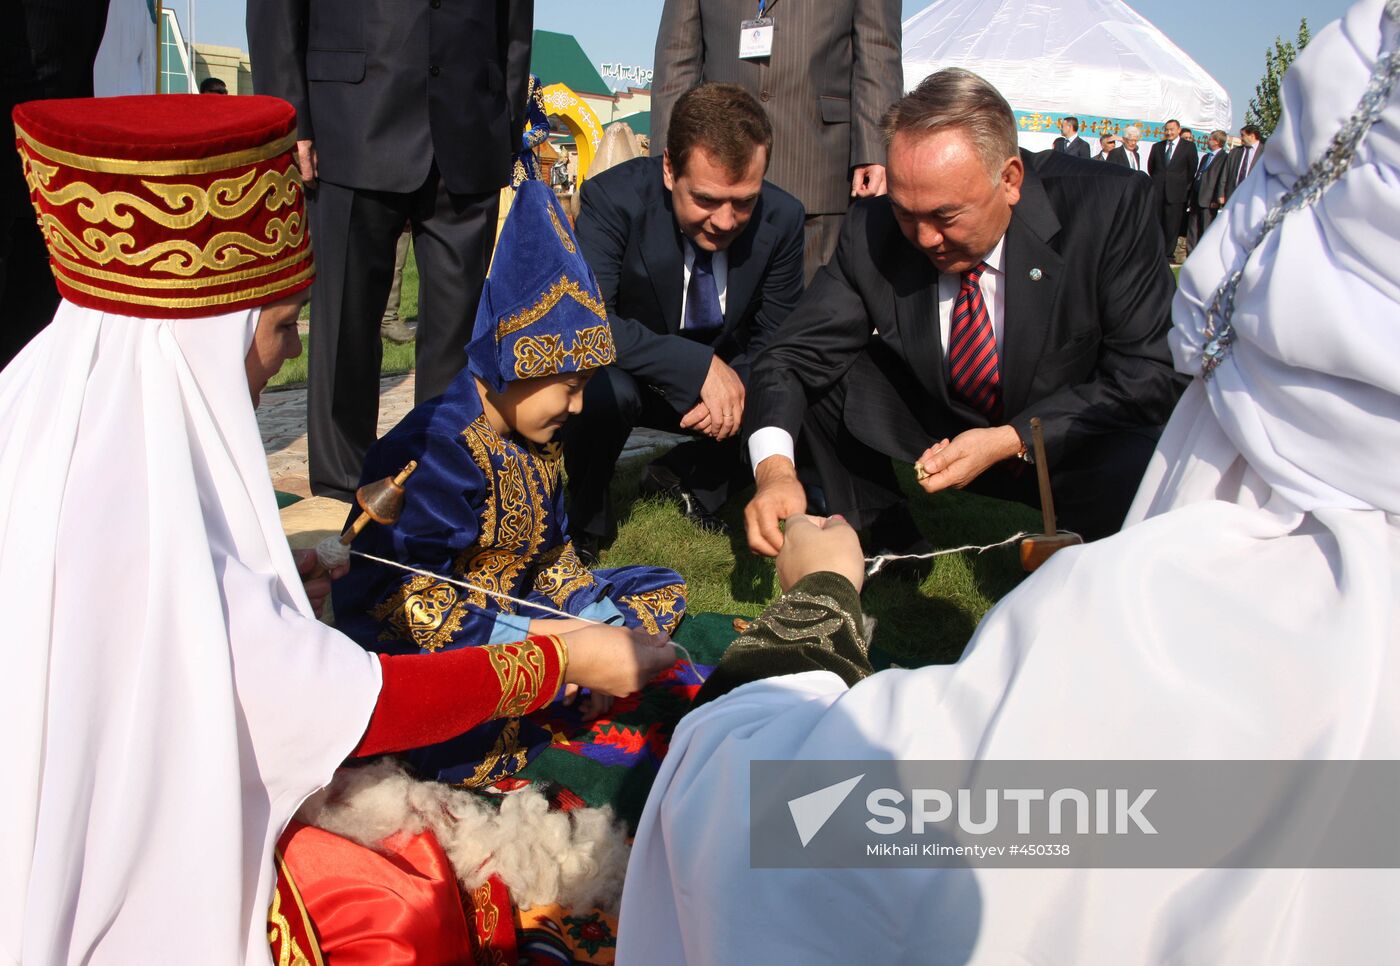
(1098, 60)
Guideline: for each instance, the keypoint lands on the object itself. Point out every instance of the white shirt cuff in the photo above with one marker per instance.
(770, 441)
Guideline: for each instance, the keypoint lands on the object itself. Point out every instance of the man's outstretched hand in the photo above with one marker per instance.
(778, 495)
(957, 462)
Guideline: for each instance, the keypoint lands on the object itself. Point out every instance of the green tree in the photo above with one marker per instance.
(1264, 106)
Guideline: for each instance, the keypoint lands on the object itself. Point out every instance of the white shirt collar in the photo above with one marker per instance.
(996, 258)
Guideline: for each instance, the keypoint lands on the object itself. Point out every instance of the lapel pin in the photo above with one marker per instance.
(1036, 275)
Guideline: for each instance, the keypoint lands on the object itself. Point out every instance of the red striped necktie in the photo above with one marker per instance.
(974, 373)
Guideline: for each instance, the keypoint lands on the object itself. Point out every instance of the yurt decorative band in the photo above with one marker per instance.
(1039, 121)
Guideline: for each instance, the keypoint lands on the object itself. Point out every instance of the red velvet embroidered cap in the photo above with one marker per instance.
(168, 206)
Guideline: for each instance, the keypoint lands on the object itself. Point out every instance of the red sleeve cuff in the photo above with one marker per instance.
(427, 698)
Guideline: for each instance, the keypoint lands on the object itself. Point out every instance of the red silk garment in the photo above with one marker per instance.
(376, 909)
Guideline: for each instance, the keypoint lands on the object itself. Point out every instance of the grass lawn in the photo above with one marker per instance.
(927, 624)
(397, 358)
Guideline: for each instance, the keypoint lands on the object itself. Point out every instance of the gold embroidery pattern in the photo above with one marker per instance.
(422, 610)
(225, 251)
(564, 287)
(486, 954)
(185, 204)
(545, 355)
(224, 298)
(520, 671)
(802, 618)
(514, 517)
(513, 525)
(228, 278)
(551, 465)
(506, 758)
(660, 609)
(562, 574)
(564, 238)
(158, 169)
(279, 933)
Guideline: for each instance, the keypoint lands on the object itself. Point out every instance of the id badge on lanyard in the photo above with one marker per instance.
(756, 36)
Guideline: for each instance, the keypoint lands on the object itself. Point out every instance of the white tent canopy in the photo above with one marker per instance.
(1097, 59)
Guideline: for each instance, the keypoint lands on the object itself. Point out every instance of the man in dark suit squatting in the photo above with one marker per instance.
(405, 112)
(991, 286)
(698, 259)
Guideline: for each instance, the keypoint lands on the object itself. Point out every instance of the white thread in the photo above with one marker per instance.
(875, 564)
(685, 654)
(332, 553)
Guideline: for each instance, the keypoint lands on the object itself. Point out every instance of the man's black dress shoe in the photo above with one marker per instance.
(661, 482)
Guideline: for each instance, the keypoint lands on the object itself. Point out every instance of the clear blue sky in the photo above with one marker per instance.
(1226, 37)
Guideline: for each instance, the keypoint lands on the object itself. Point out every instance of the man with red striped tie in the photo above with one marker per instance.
(991, 286)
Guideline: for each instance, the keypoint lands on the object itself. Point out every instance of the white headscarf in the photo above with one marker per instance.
(1252, 611)
(167, 697)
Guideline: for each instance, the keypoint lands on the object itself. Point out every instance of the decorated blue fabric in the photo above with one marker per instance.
(541, 313)
(489, 510)
(527, 166)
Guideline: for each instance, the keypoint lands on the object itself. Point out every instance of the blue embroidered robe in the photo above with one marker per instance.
(486, 509)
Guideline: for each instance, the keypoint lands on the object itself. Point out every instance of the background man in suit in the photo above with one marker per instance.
(1208, 192)
(833, 71)
(698, 259)
(1107, 144)
(1172, 165)
(48, 48)
(990, 286)
(1243, 158)
(1069, 141)
(403, 113)
(1127, 153)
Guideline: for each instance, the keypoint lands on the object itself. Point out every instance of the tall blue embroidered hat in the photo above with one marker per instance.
(541, 313)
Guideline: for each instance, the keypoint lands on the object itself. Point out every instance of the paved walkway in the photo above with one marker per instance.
(282, 419)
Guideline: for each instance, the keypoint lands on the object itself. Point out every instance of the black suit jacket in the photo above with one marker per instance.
(1233, 175)
(386, 88)
(1119, 155)
(627, 231)
(1084, 347)
(47, 49)
(1173, 179)
(1210, 180)
(1079, 147)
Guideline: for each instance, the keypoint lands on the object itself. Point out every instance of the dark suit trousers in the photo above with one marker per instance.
(819, 236)
(1173, 223)
(1198, 221)
(1093, 485)
(355, 234)
(613, 404)
(28, 296)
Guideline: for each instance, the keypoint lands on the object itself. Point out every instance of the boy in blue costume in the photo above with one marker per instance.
(486, 505)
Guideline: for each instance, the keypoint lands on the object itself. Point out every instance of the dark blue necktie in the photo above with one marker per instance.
(702, 311)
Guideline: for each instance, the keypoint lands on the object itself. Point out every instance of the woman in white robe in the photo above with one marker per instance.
(1249, 611)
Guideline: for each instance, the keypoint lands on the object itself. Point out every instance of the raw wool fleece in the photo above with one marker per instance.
(576, 859)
